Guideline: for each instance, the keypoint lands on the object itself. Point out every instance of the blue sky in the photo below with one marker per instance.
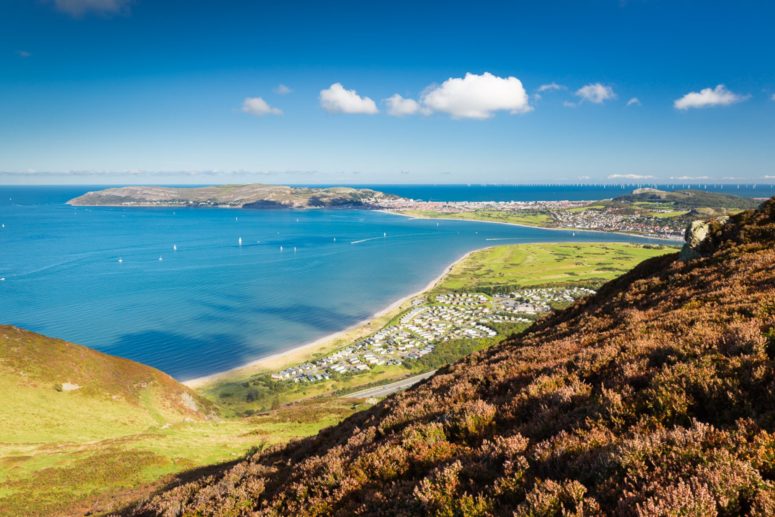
(182, 91)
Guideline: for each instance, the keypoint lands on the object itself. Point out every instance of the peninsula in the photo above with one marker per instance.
(235, 196)
(645, 211)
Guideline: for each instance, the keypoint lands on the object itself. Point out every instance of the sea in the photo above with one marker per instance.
(175, 289)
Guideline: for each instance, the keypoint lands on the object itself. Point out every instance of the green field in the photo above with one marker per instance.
(547, 264)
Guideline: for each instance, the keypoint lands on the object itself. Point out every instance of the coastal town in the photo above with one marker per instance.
(573, 215)
(430, 321)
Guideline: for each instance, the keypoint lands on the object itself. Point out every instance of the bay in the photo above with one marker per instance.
(173, 288)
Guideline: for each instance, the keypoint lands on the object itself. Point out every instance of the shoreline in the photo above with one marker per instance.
(299, 353)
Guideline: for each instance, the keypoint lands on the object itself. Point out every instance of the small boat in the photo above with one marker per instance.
(174, 247)
(161, 259)
(384, 234)
(294, 249)
(2, 279)
(281, 248)
(239, 241)
(120, 260)
(334, 239)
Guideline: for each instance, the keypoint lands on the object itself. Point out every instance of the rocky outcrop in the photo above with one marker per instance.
(696, 234)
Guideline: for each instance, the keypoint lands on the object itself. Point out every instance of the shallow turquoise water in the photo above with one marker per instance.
(213, 305)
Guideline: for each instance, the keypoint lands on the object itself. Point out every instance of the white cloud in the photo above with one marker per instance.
(550, 87)
(569, 104)
(337, 99)
(258, 107)
(633, 102)
(477, 96)
(399, 106)
(769, 177)
(584, 178)
(629, 177)
(596, 93)
(689, 177)
(24, 54)
(282, 90)
(773, 97)
(718, 96)
(79, 8)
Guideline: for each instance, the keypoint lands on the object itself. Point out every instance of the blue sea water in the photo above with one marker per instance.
(109, 278)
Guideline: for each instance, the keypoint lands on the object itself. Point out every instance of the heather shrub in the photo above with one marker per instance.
(427, 443)
(549, 498)
(763, 502)
(473, 419)
(437, 492)
(684, 498)
(386, 462)
(743, 337)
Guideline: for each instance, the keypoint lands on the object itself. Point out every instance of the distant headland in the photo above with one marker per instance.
(645, 211)
(236, 196)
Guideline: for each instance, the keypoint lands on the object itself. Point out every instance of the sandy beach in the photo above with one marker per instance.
(304, 352)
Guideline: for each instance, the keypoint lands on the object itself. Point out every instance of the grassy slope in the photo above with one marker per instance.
(654, 397)
(127, 425)
(115, 396)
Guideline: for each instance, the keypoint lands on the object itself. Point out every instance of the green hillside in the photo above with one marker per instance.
(689, 199)
(69, 392)
(82, 431)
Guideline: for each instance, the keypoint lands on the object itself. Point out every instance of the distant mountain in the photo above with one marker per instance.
(688, 199)
(656, 396)
(235, 196)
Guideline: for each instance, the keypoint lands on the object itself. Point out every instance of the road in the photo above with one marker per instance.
(389, 389)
